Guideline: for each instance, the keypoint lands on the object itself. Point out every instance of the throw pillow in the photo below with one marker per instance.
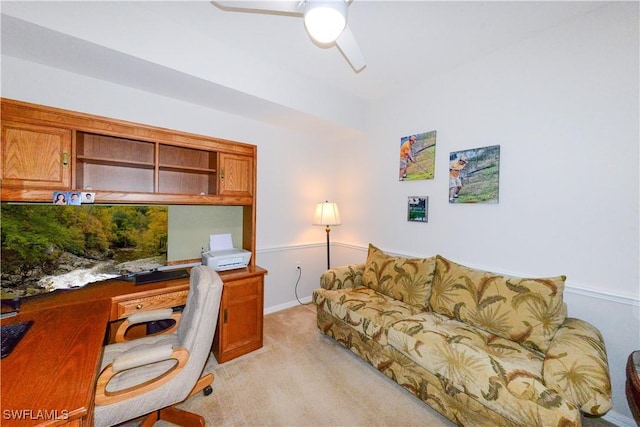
(404, 279)
(527, 311)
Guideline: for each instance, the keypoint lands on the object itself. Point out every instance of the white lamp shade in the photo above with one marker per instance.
(327, 214)
(325, 20)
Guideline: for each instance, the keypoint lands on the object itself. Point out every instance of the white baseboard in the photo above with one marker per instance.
(280, 307)
(619, 420)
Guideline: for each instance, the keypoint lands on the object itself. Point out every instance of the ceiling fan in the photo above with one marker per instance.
(324, 20)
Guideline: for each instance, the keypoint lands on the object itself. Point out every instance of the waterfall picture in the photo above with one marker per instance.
(48, 247)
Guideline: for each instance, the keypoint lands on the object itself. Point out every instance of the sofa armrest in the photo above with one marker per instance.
(343, 277)
(576, 367)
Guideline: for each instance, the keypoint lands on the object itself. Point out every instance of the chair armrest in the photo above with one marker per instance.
(135, 360)
(148, 316)
(347, 276)
(576, 367)
(140, 356)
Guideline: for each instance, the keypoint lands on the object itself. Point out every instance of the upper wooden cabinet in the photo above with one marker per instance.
(236, 175)
(46, 149)
(35, 156)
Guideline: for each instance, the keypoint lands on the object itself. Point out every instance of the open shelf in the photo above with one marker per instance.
(120, 164)
(186, 169)
(114, 162)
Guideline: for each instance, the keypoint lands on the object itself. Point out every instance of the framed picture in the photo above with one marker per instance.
(88, 197)
(67, 198)
(474, 175)
(74, 198)
(418, 209)
(60, 198)
(417, 156)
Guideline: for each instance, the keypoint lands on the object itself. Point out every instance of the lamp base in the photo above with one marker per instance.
(328, 230)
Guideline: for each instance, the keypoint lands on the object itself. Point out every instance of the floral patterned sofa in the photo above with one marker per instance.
(480, 348)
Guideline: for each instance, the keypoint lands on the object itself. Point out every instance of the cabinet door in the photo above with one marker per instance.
(236, 175)
(35, 156)
(240, 324)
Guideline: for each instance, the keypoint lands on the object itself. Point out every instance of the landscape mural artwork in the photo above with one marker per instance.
(49, 247)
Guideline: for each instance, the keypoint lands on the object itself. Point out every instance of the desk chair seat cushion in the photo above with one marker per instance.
(195, 333)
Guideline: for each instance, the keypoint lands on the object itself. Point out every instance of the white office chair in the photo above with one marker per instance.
(147, 376)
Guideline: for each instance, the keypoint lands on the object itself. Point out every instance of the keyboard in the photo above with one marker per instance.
(12, 334)
(160, 275)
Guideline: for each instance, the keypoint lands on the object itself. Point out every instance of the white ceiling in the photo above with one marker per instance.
(264, 65)
(404, 42)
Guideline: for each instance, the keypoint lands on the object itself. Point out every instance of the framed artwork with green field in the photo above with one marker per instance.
(417, 156)
(418, 209)
(474, 175)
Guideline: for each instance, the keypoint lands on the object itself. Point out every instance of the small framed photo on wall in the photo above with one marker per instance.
(418, 209)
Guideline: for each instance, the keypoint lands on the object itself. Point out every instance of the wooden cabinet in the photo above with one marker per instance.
(35, 156)
(239, 328)
(236, 175)
(46, 149)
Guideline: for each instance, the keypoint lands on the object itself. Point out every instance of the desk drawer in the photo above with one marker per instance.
(172, 299)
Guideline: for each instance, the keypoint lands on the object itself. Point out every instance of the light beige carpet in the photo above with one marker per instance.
(303, 378)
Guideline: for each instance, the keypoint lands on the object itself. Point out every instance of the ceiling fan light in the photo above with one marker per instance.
(325, 20)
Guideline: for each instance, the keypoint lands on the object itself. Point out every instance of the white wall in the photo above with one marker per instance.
(292, 167)
(563, 106)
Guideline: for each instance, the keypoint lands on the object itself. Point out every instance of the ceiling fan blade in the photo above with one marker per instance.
(349, 48)
(282, 6)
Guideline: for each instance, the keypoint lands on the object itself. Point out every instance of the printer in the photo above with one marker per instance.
(226, 259)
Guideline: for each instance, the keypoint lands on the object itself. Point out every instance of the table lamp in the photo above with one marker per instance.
(327, 214)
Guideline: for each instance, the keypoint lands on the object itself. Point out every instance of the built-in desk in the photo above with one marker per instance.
(49, 378)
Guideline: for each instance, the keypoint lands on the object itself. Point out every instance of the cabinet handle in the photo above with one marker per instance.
(65, 159)
(138, 307)
(225, 316)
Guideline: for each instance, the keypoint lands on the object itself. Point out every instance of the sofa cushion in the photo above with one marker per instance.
(364, 309)
(576, 365)
(527, 311)
(500, 374)
(404, 279)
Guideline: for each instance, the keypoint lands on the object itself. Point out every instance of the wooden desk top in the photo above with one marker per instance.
(117, 290)
(51, 372)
